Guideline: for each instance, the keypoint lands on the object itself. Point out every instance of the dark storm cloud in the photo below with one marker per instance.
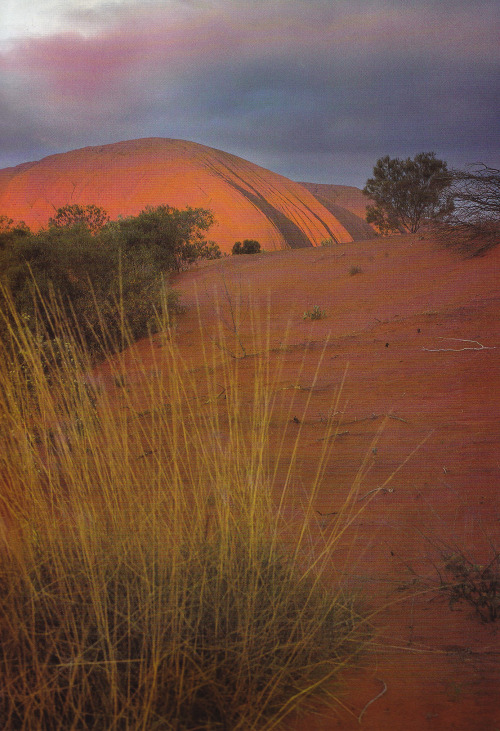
(315, 90)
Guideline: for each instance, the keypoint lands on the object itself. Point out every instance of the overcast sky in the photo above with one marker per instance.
(316, 90)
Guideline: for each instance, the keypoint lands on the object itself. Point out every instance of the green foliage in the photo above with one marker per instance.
(91, 279)
(173, 237)
(327, 242)
(92, 217)
(10, 233)
(407, 192)
(384, 224)
(247, 246)
(315, 314)
(101, 274)
(209, 250)
(5, 223)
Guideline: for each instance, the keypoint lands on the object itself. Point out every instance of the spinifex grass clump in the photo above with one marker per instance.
(143, 580)
(315, 314)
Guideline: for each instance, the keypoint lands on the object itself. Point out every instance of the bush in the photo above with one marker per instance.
(355, 270)
(102, 274)
(315, 314)
(174, 238)
(93, 217)
(248, 246)
(462, 578)
(466, 580)
(96, 286)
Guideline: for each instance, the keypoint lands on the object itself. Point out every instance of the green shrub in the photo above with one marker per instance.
(315, 314)
(93, 217)
(247, 246)
(102, 274)
(355, 270)
(174, 238)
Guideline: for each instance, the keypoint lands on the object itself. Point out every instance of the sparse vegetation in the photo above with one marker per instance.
(315, 314)
(477, 584)
(354, 270)
(327, 242)
(464, 579)
(144, 581)
(247, 246)
(229, 315)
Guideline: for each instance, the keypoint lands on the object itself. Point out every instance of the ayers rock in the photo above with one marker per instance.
(347, 204)
(248, 201)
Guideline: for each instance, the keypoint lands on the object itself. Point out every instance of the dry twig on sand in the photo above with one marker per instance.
(375, 489)
(384, 690)
(458, 350)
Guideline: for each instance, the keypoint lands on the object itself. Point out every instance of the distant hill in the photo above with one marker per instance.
(347, 204)
(248, 201)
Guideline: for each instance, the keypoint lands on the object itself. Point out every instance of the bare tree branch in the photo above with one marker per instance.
(474, 224)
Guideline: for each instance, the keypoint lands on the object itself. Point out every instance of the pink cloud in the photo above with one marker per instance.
(146, 42)
(75, 64)
(71, 63)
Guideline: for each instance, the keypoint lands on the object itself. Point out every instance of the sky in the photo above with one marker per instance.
(316, 90)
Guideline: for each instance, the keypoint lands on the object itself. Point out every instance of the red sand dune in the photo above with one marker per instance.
(247, 200)
(419, 329)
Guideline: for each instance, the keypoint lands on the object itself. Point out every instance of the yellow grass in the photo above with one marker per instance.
(145, 582)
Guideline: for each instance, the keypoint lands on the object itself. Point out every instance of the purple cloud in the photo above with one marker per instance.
(315, 90)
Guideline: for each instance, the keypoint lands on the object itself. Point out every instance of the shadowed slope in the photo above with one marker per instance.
(248, 201)
(347, 204)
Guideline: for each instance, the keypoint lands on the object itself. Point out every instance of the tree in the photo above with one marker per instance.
(407, 192)
(5, 223)
(10, 232)
(476, 192)
(474, 223)
(175, 237)
(93, 217)
(247, 246)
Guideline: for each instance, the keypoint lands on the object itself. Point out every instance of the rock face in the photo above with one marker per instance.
(123, 178)
(347, 204)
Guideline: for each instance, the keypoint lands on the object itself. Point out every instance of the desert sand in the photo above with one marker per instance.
(416, 335)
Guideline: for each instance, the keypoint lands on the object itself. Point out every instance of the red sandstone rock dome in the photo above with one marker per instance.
(248, 201)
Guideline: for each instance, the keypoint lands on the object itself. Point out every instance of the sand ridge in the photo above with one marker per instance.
(417, 330)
